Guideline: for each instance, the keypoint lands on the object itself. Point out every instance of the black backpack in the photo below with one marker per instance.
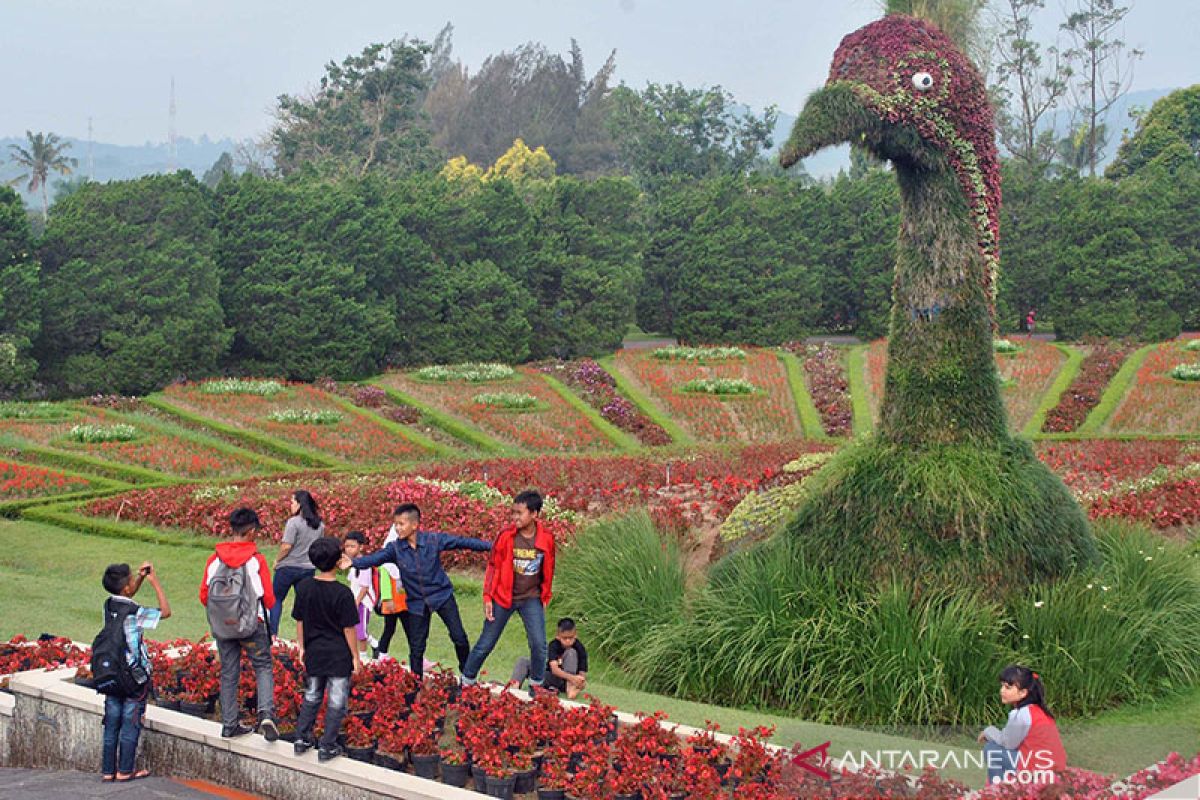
(111, 671)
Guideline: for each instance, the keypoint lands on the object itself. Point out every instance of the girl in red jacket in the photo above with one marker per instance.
(519, 575)
(1029, 749)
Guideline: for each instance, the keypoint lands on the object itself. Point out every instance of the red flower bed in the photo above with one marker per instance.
(1097, 369)
(597, 387)
(1097, 465)
(1174, 504)
(825, 372)
(1157, 402)
(19, 480)
(19, 654)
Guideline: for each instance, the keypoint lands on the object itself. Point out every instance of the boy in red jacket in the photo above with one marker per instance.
(239, 551)
(519, 575)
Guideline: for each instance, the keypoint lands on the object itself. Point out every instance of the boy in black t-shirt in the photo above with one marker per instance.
(326, 616)
(566, 662)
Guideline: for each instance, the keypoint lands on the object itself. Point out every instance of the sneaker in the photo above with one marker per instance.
(385, 657)
(373, 642)
(330, 753)
(302, 746)
(236, 730)
(268, 729)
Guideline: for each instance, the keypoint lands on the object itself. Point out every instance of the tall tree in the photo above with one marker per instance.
(1169, 135)
(364, 117)
(20, 298)
(1103, 66)
(45, 154)
(1029, 85)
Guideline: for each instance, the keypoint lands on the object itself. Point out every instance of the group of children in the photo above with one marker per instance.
(405, 580)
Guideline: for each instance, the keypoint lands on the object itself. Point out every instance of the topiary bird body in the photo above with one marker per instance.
(943, 492)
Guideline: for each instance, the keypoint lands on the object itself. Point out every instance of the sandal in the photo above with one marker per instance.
(141, 773)
(107, 778)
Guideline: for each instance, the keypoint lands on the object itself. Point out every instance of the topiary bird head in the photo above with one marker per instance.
(901, 89)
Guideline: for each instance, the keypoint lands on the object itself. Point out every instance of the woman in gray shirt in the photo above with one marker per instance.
(292, 566)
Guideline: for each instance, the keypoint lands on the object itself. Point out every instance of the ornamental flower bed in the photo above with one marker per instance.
(553, 425)
(20, 480)
(1025, 375)
(153, 447)
(355, 438)
(593, 383)
(825, 377)
(767, 416)
(1157, 402)
(19, 654)
(1171, 504)
(1102, 362)
(1097, 466)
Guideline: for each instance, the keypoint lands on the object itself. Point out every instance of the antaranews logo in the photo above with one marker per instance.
(1030, 769)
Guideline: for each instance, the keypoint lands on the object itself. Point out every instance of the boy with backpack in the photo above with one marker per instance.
(121, 666)
(326, 616)
(236, 591)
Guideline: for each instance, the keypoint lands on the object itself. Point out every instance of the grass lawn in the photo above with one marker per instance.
(50, 582)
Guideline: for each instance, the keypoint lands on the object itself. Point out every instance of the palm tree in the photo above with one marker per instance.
(959, 19)
(43, 156)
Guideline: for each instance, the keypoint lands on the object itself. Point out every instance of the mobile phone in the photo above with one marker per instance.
(145, 571)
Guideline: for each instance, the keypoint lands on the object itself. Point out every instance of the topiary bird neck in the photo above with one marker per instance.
(941, 385)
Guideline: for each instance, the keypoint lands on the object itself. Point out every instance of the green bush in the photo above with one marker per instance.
(622, 580)
(1186, 372)
(242, 386)
(34, 411)
(97, 434)
(305, 416)
(470, 372)
(1006, 346)
(1192, 344)
(718, 386)
(698, 353)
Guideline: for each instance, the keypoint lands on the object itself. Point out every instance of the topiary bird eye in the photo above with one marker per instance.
(922, 81)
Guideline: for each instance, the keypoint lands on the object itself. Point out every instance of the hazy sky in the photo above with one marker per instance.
(66, 60)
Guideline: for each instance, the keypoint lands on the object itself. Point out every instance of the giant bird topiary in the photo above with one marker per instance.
(943, 494)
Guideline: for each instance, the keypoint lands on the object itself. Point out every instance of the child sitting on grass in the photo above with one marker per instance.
(1029, 748)
(326, 617)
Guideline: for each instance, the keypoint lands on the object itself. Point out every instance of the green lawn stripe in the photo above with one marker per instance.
(810, 418)
(860, 403)
(297, 455)
(1053, 395)
(1116, 390)
(416, 437)
(64, 515)
(644, 404)
(620, 438)
(455, 427)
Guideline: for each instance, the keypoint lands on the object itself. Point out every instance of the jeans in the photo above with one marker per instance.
(258, 648)
(122, 726)
(533, 614)
(416, 628)
(283, 581)
(1000, 761)
(335, 711)
(569, 665)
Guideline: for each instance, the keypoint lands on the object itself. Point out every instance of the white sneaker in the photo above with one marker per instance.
(385, 657)
(373, 642)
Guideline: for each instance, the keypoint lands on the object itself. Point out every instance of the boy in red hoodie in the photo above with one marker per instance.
(519, 575)
(240, 554)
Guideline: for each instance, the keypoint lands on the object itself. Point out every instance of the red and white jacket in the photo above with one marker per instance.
(235, 554)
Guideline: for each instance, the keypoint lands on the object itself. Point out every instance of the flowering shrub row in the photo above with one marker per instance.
(305, 416)
(1157, 402)
(19, 654)
(20, 480)
(364, 395)
(718, 386)
(825, 374)
(97, 434)
(262, 388)
(471, 373)
(1098, 368)
(513, 401)
(698, 353)
(593, 383)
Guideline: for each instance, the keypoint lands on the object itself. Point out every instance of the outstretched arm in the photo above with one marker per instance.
(448, 541)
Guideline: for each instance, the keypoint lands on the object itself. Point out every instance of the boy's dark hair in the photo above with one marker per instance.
(407, 508)
(243, 520)
(530, 499)
(325, 553)
(356, 536)
(1025, 678)
(566, 625)
(116, 578)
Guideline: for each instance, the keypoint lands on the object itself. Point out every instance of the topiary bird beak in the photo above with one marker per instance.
(832, 115)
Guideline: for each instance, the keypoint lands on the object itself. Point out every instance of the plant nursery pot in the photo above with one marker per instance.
(389, 760)
(501, 787)
(455, 774)
(625, 797)
(364, 754)
(552, 794)
(425, 765)
(526, 782)
(195, 709)
(169, 705)
(479, 776)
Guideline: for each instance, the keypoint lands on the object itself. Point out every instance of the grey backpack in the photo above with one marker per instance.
(232, 603)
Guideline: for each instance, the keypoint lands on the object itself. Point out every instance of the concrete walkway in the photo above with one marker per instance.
(36, 784)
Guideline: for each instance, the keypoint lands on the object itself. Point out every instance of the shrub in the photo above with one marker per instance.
(1186, 372)
(33, 411)
(242, 386)
(96, 434)
(469, 372)
(1006, 346)
(718, 386)
(698, 353)
(305, 416)
(1193, 345)
(509, 401)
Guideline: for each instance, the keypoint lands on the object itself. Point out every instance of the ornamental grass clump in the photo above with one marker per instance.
(98, 434)
(305, 416)
(261, 388)
(507, 401)
(1186, 372)
(470, 372)
(728, 387)
(698, 353)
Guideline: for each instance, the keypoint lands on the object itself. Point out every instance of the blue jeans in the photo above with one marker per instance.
(282, 582)
(1000, 761)
(335, 710)
(533, 614)
(123, 727)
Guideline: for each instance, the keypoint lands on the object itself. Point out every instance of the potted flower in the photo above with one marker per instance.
(500, 777)
(390, 749)
(360, 744)
(554, 778)
(523, 771)
(455, 769)
(421, 737)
